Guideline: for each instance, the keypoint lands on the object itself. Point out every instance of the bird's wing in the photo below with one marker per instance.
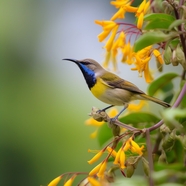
(116, 82)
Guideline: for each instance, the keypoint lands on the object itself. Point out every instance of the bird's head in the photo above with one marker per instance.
(87, 64)
(90, 69)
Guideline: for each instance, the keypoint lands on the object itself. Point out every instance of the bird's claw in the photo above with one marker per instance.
(112, 120)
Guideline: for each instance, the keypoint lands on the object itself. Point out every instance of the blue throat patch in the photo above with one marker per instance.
(88, 74)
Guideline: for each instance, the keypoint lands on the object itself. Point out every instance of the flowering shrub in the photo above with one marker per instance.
(158, 143)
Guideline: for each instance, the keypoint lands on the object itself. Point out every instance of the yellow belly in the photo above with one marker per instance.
(109, 95)
(99, 88)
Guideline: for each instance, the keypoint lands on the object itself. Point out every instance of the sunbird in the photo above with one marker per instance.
(110, 88)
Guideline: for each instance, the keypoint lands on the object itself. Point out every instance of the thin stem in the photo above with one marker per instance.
(116, 122)
(180, 28)
(149, 152)
(180, 97)
(176, 104)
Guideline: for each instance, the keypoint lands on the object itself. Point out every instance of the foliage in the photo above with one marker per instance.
(159, 144)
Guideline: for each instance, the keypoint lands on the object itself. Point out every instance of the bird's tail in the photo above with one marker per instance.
(146, 97)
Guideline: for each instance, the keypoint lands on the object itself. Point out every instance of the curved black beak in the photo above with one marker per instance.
(72, 60)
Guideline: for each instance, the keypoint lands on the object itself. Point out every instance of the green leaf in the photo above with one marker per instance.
(139, 118)
(160, 16)
(174, 42)
(168, 87)
(158, 24)
(168, 98)
(160, 83)
(145, 164)
(150, 38)
(178, 147)
(176, 166)
(172, 116)
(104, 134)
(176, 23)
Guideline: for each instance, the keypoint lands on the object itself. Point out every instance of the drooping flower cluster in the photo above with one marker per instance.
(121, 36)
(120, 157)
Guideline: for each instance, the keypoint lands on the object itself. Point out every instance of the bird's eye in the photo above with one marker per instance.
(86, 63)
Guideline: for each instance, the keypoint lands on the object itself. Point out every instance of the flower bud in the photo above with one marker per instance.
(167, 7)
(163, 157)
(169, 141)
(167, 55)
(145, 166)
(129, 170)
(180, 57)
(174, 61)
(164, 129)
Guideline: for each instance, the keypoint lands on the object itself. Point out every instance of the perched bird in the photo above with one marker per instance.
(110, 88)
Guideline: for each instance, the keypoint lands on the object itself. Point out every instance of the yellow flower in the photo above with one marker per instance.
(112, 151)
(141, 12)
(120, 3)
(55, 181)
(127, 146)
(145, 52)
(113, 112)
(127, 54)
(70, 181)
(122, 159)
(147, 74)
(136, 107)
(116, 160)
(158, 56)
(107, 25)
(103, 35)
(142, 59)
(140, 20)
(131, 9)
(119, 43)
(135, 148)
(111, 55)
(94, 134)
(107, 28)
(124, 6)
(96, 157)
(95, 170)
(109, 43)
(102, 169)
(120, 14)
(93, 181)
(93, 122)
(141, 8)
(107, 59)
(114, 61)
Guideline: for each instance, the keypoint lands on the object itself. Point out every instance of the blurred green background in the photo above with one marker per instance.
(44, 100)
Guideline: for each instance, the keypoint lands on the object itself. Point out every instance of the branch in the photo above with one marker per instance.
(149, 152)
(102, 116)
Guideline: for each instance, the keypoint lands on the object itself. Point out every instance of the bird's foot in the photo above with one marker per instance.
(99, 111)
(112, 120)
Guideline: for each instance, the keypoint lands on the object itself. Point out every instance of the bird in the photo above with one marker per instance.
(110, 88)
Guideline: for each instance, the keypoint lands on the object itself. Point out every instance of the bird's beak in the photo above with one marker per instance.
(73, 60)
